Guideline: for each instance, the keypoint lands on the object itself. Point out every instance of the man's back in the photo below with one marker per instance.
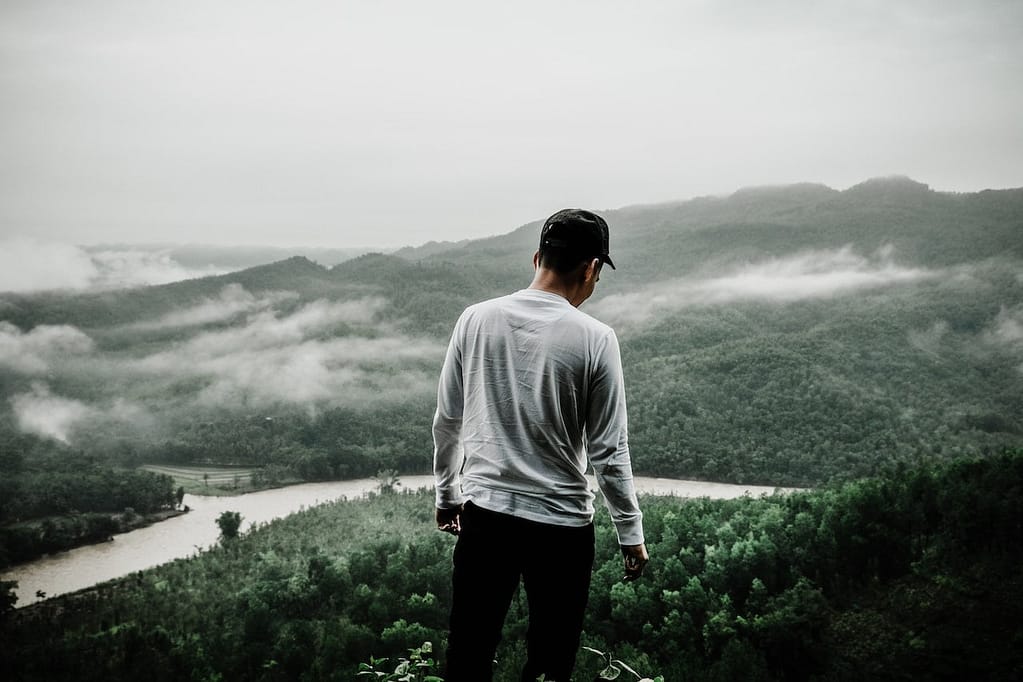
(536, 389)
(527, 362)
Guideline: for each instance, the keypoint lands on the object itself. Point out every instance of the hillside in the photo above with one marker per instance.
(912, 575)
(779, 335)
(782, 331)
(652, 242)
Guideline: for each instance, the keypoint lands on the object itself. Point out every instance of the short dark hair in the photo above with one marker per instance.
(573, 236)
(560, 260)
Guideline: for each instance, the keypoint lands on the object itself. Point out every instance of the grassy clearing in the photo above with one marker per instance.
(208, 480)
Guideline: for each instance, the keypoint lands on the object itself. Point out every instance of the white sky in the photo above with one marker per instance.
(386, 123)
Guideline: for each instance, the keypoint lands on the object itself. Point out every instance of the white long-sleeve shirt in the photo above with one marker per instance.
(532, 389)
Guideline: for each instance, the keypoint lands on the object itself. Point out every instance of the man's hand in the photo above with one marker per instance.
(636, 558)
(450, 520)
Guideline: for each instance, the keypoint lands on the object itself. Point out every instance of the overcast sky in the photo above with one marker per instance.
(385, 123)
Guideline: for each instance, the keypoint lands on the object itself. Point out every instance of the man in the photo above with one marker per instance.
(532, 390)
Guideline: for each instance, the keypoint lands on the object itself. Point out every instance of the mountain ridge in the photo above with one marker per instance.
(649, 242)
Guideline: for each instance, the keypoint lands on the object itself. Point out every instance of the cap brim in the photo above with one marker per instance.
(607, 259)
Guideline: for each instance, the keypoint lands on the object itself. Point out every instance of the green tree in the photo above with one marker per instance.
(7, 596)
(387, 481)
(229, 523)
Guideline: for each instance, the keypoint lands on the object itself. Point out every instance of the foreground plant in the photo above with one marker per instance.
(418, 667)
(613, 668)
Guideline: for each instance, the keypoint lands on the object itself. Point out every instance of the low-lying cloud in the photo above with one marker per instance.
(30, 265)
(808, 275)
(299, 358)
(233, 300)
(1006, 333)
(118, 268)
(1007, 329)
(41, 412)
(929, 340)
(44, 414)
(35, 351)
(269, 329)
(35, 265)
(323, 353)
(342, 371)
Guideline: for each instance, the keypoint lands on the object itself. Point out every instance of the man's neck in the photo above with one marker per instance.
(546, 280)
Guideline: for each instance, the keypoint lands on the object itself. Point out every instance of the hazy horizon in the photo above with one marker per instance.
(384, 125)
(29, 264)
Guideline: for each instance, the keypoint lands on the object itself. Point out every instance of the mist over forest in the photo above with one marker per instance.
(781, 335)
(33, 265)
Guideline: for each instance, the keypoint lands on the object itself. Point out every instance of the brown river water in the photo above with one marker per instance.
(190, 533)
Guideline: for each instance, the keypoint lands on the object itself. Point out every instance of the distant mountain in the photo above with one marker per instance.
(924, 227)
(892, 189)
(428, 249)
(238, 257)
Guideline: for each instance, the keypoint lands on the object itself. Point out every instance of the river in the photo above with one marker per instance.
(187, 534)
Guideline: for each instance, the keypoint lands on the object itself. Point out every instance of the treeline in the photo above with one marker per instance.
(421, 294)
(753, 390)
(909, 575)
(761, 393)
(57, 498)
(824, 390)
(335, 443)
(796, 394)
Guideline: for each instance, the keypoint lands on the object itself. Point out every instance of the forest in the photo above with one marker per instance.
(66, 499)
(783, 336)
(912, 574)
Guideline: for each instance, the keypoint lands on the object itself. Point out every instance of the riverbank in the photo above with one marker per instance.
(214, 480)
(191, 533)
(838, 576)
(36, 538)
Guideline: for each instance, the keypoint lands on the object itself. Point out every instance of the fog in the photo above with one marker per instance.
(135, 267)
(35, 351)
(929, 340)
(1008, 327)
(276, 354)
(241, 351)
(801, 276)
(1006, 333)
(233, 300)
(28, 264)
(44, 414)
(299, 358)
(388, 124)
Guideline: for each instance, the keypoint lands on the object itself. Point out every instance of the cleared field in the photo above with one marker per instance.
(196, 477)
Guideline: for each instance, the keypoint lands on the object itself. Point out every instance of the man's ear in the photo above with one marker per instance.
(536, 260)
(592, 269)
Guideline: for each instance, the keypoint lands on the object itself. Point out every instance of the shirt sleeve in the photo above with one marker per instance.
(447, 427)
(607, 442)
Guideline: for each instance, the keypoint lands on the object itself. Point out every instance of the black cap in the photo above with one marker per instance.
(577, 231)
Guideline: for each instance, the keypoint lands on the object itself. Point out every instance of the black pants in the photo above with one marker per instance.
(492, 553)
